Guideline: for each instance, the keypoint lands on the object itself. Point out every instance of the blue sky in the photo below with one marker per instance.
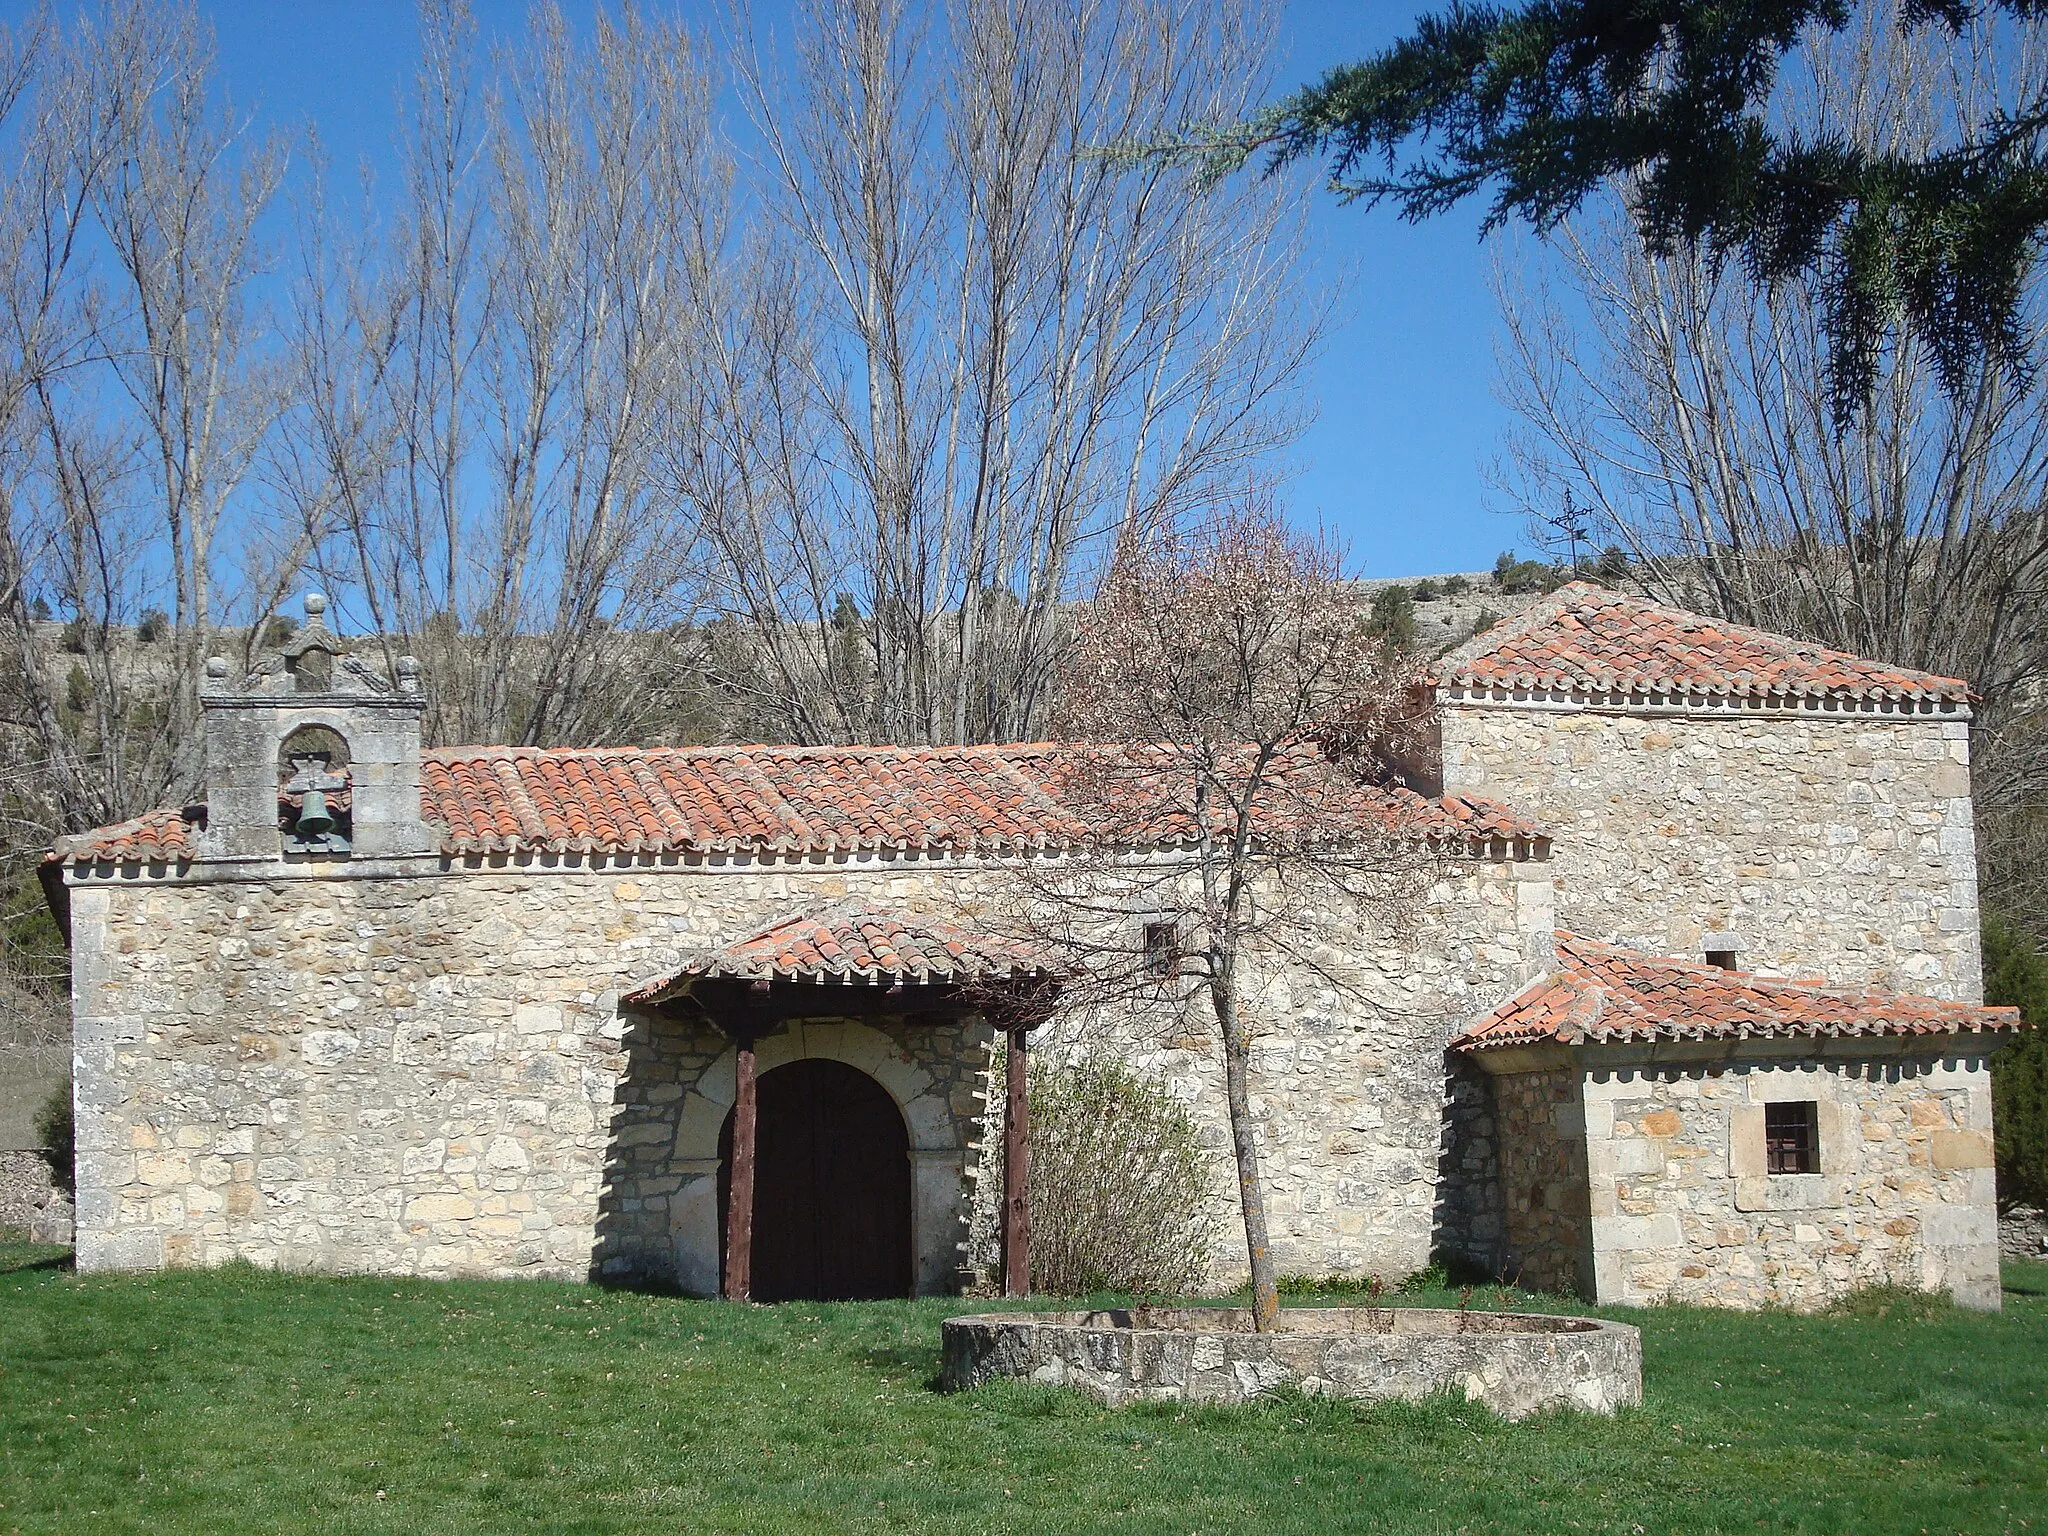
(1407, 419)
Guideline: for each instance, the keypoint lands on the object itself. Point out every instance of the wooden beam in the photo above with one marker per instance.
(739, 1214)
(1016, 1174)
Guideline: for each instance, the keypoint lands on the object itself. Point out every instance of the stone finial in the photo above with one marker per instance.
(216, 667)
(316, 604)
(408, 674)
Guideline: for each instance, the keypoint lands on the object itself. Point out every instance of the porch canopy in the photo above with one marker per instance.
(847, 960)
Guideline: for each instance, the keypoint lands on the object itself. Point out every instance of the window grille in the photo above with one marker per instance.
(1162, 949)
(1792, 1137)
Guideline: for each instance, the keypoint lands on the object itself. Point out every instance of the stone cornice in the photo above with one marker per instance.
(1701, 704)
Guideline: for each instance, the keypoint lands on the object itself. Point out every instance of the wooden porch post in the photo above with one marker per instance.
(1016, 1175)
(739, 1214)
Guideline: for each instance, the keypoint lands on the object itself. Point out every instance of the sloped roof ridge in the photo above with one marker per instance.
(1657, 647)
(999, 749)
(847, 939)
(498, 801)
(1605, 994)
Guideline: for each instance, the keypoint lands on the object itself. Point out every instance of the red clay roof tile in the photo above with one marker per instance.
(1584, 637)
(847, 942)
(1600, 995)
(755, 799)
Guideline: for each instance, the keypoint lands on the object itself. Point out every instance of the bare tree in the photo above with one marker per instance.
(136, 401)
(1230, 713)
(1689, 414)
(970, 351)
(484, 408)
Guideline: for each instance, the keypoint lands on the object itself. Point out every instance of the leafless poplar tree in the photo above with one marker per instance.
(970, 351)
(1689, 412)
(138, 396)
(1228, 709)
(485, 407)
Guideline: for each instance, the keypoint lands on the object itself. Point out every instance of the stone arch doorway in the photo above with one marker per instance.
(831, 1186)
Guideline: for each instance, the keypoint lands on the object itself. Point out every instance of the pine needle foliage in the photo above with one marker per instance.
(1548, 102)
(2016, 974)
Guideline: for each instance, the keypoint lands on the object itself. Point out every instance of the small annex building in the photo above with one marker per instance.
(1692, 1010)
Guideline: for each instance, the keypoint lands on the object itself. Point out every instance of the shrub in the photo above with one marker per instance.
(2015, 973)
(78, 690)
(278, 631)
(1516, 576)
(154, 626)
(1393, 615)
(1456, 586)
(1119, 1184)
(77, 637)
(1426, 591)
(59, 1142)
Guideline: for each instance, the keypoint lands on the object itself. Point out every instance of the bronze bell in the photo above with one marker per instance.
(315, 820)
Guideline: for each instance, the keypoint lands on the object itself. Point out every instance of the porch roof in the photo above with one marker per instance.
(1602, 995)
(847, 943)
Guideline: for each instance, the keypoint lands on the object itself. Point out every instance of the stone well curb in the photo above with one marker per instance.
(1516, 1363)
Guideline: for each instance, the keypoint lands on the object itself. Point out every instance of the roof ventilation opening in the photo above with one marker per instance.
(1722, 959)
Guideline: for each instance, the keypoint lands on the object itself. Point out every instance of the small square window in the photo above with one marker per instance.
(1162, 949)
(1792, 1137)
(1723, 959)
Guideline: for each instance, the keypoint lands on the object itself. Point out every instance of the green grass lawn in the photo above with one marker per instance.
(244, 1401)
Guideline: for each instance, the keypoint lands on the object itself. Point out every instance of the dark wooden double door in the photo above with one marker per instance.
(831, 1186)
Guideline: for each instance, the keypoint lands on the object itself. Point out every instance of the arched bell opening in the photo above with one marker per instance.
(832, 1186)
(314, 805)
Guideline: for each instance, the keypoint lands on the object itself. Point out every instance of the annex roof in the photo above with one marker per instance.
(847, 942)
(1601, 995)
(1586, 638)
(764, 800)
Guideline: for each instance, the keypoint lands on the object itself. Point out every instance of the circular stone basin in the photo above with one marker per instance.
(1516, 1363)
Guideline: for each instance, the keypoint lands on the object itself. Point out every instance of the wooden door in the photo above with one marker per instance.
(831, 1186)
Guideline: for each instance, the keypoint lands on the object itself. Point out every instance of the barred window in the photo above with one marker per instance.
(1162, 948)
(1792, 1137)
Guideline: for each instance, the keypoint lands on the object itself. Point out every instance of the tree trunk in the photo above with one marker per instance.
(1251, 1190)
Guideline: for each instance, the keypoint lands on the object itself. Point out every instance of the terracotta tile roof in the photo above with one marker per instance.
(705, 800)
(163, 836)
(847, 942)
(1598, 994)
(1587, 638)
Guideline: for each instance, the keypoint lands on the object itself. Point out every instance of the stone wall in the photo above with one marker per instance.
(427, 1070)
(1683, 1209)
(2023, 1233)
(1815, 844)
(1347, 1071)
(30, 1201)
(1471, 1230)
(1541, 1121)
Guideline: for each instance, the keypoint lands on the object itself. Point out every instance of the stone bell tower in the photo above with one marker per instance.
(312, 757)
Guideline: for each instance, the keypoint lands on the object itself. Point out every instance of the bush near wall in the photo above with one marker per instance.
(54, 1129)
(1119, 1184)
(2016, 973)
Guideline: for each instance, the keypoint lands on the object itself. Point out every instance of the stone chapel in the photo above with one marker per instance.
(1694, 1014)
